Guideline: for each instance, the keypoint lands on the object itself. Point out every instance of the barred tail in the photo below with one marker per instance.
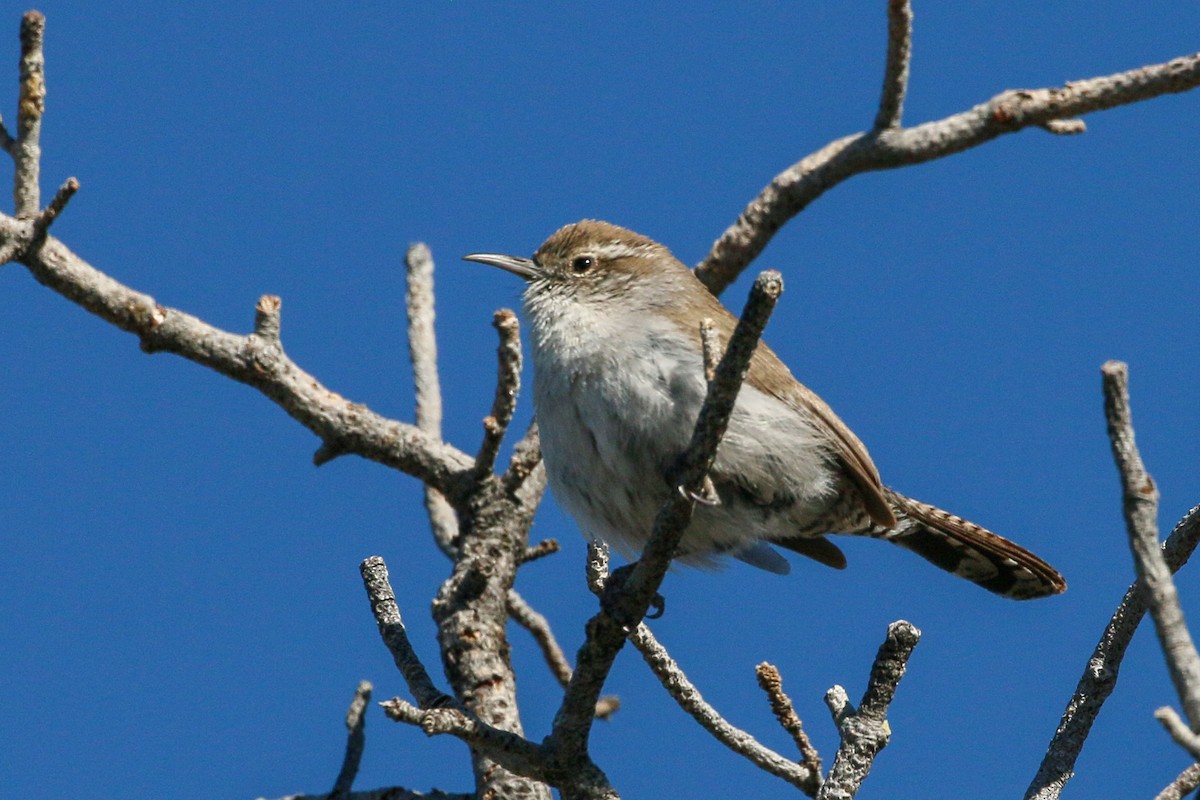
(969, 551)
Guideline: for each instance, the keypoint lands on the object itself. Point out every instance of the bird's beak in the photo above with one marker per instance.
(523, 267)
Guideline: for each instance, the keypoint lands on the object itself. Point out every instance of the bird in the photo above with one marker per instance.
(618, 382)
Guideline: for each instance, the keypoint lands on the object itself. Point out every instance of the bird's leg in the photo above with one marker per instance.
(707, 496)
(613, 599)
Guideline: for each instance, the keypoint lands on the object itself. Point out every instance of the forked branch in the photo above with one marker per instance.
(1102, 669)
(1141, 510)
(803, 776)
(345, 427)
(865, 732)
(888, 146)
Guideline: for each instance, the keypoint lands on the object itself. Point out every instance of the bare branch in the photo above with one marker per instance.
(838, 703)
(513, 752)
(422, 342)
(622, 609)
(391, 629)
(546, 547)
(1182, 786)
(525, 477)
(43, 221)
(508, 382)
(422, 352)
(1102, 670)
(1008, 112)
(685, 693)
(1180, 732)
(1141, 520)
(255, 361)
(865, 732)
(895, 75)
(528, 618)
(890, 664)
(7, 142)
(597, 566)
(607, 705)
(710, 345)
(355, 742)
(1065, 127)
(27, 151)
(16, 245)
(771, 682)
(267, 313)
(33, 232)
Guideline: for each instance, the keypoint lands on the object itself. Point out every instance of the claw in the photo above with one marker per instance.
(707, 496)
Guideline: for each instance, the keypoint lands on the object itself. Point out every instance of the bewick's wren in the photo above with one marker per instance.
(618, 380)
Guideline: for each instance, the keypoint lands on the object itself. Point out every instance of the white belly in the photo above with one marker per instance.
(611, 428)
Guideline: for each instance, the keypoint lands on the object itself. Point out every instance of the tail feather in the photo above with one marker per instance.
(969, 551)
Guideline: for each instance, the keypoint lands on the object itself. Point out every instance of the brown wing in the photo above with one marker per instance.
(770, 374)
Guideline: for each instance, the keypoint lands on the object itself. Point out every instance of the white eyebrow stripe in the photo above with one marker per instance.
(621, 250)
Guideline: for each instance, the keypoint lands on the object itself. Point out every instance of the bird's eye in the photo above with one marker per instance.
(582, 263)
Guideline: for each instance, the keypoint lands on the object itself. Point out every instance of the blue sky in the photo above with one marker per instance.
(183, 615)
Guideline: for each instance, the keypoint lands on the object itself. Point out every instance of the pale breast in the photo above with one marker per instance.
(610, 425)
(614, 418)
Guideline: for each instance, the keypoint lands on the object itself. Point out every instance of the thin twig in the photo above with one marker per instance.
(1102, 669)
(546, 547)
(43, 221)
(865, 732)
(531, 620)
(391, 629)
(771, 682)
(597, 566)
(422, 352)
(508, 383)
(838, 703)
(7, 142)
(685, 693)
(515, 753)
(607, 705)
(1184, 736)
(1182, 786)
(61, 198)
(267, 317)
(355, 742)
(710, 345)
(20, 246)
(525, 477)
(895, 75)
(792, 190)
(623, 609)
(27, 151)
(1065, 127)
(1140, 497)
